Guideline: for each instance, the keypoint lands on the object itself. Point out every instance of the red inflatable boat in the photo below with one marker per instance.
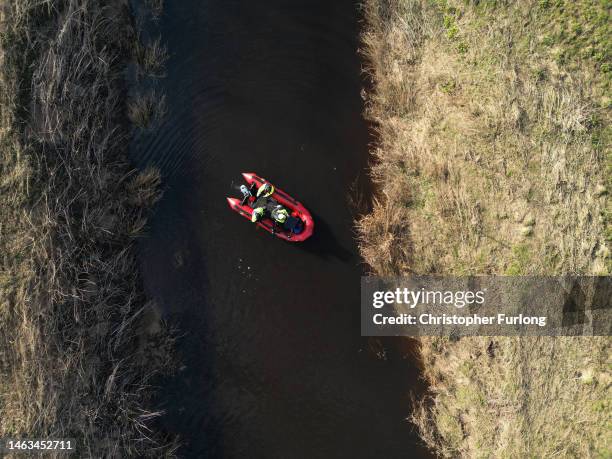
(298, 228)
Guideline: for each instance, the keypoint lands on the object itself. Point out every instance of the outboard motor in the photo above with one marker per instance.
(246, 194)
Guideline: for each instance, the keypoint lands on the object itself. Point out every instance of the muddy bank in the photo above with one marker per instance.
(274, 362)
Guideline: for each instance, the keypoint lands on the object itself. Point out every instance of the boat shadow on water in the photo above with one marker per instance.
(323, 243)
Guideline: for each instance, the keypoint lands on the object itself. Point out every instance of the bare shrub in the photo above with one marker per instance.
(147, 109)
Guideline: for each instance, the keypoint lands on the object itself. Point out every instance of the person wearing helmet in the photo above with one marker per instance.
(264, 202)
(279, 214)
(265, 191)
(258, 214)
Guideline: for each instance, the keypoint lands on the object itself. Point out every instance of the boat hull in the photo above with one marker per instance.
(295, 208)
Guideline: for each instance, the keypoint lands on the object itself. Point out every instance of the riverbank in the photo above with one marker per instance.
(272, 366)
(79, 342)
(493, 157)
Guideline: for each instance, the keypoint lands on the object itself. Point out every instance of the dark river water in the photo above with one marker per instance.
(274, 364)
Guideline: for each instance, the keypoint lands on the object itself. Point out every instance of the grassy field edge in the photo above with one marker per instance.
(80, 343)
(493, 157)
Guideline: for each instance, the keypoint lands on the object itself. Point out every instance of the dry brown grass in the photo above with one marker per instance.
(510, 398)
(74, 361)
(492, 159)
(145, 110)
(488, 147)
(151, 58)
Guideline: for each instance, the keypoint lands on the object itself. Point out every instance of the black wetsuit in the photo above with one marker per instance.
(267, 203)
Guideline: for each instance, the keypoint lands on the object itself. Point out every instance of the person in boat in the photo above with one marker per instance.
(265, 191)
(279, 215)
(265, 204)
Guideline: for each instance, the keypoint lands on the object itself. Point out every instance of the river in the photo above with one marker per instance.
(273, 362)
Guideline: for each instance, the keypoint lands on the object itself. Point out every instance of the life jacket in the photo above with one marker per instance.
(258, 214)
(265, 190)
